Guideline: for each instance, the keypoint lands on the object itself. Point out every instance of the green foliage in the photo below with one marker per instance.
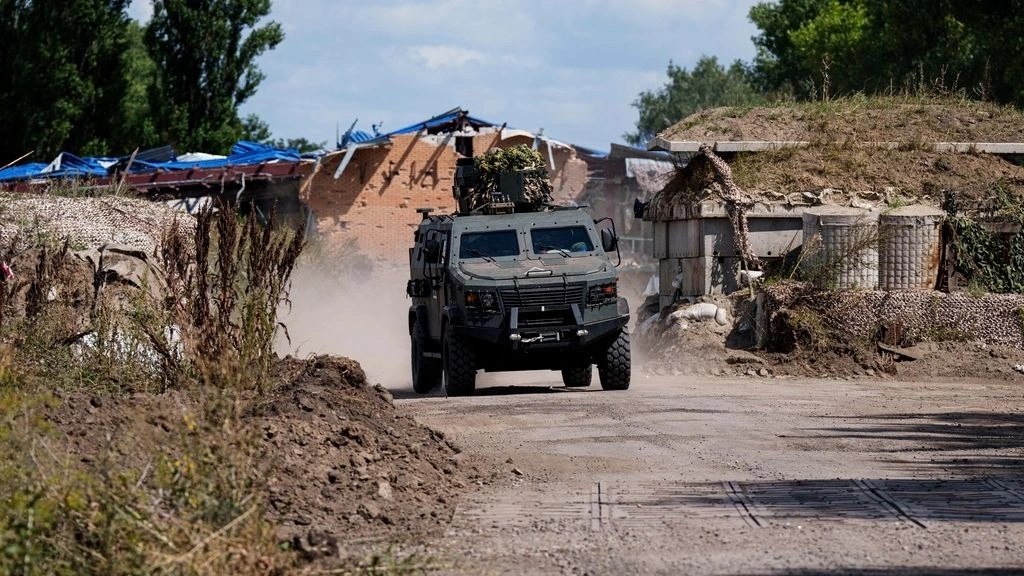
(991, 262)
(194, 508)
(709, 85)
(302, 145)
(831, 39)
(63, 77)
(137, 128)
(777, 65)
(255, 129)
(519, 158)
(512, 159)
(850, 46)
(206, 54)
(82, 76)
(188, 501)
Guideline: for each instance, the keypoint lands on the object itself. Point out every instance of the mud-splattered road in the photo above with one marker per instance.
(756, 476)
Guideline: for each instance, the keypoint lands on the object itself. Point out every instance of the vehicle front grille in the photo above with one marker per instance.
(545, 319)
(542, 295)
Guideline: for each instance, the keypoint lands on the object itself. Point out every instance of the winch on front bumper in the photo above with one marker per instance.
(546, 326)
(545, 319)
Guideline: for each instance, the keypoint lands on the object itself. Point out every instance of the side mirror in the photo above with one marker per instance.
(609, 241)
(432, 251)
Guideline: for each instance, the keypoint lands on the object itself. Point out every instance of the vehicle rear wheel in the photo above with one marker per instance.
(578, 376)
(614, 366)
(426, 372)
(459, 365)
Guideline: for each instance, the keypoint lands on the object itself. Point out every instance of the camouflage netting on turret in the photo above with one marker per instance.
(516, 159)
(797, 315)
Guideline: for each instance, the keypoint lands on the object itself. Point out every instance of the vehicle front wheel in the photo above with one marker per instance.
(459, 365)
(426, 372)
(614, 365)
(578, 376)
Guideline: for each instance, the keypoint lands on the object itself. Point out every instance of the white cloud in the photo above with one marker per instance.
(573, 68)
(444, 56)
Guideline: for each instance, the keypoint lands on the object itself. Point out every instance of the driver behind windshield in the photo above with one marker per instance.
(561, 240)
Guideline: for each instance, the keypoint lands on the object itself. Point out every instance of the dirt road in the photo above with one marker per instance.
(686, 475)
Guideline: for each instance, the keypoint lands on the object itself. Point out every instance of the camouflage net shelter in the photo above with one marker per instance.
(91, 222)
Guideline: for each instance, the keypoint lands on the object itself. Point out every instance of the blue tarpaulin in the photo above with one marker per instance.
(67, 165)
(22, 172)
(243, 153)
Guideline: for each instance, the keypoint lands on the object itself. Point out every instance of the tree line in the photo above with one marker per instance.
(81, 75)
(820, 49)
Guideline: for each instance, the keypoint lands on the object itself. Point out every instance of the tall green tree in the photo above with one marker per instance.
(205, 53)
(778, 64)
(708, 85)
(62, 79)
(256, 129)
(879, 46)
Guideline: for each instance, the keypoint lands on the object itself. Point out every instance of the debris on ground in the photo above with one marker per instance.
(686, 339)
(346, 472)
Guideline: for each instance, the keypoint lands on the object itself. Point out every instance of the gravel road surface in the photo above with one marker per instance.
(701, 475)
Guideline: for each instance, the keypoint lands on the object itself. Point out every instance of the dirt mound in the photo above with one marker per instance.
(859, 119)
(344, 470)
(346, 463)
(862, 177)
(837, 168)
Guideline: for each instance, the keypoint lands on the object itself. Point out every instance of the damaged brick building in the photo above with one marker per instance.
(364, 195)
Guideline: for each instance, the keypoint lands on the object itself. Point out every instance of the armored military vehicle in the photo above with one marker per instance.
(510, 282)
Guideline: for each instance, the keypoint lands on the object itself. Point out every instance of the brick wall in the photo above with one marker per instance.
(374, 202)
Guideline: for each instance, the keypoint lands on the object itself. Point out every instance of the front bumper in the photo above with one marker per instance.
(534, 328)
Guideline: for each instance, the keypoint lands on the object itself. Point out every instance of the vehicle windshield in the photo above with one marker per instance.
(489, 244)
(562, 240)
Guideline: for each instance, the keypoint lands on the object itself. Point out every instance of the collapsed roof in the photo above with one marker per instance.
(454, 121)
(68, 165)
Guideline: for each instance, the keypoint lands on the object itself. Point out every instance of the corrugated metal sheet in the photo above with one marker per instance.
(446, 120)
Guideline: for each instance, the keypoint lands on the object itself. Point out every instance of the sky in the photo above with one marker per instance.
(571, 67)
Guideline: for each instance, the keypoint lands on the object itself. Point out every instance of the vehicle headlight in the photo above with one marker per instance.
(488, 301)
(482, 300)
(602, 293)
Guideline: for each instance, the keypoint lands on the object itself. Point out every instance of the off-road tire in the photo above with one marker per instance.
(614, 365)
(459, 365)
(426, 372)
(578, 376)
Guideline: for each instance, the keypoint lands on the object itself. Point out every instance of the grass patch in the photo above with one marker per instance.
(201, 322)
